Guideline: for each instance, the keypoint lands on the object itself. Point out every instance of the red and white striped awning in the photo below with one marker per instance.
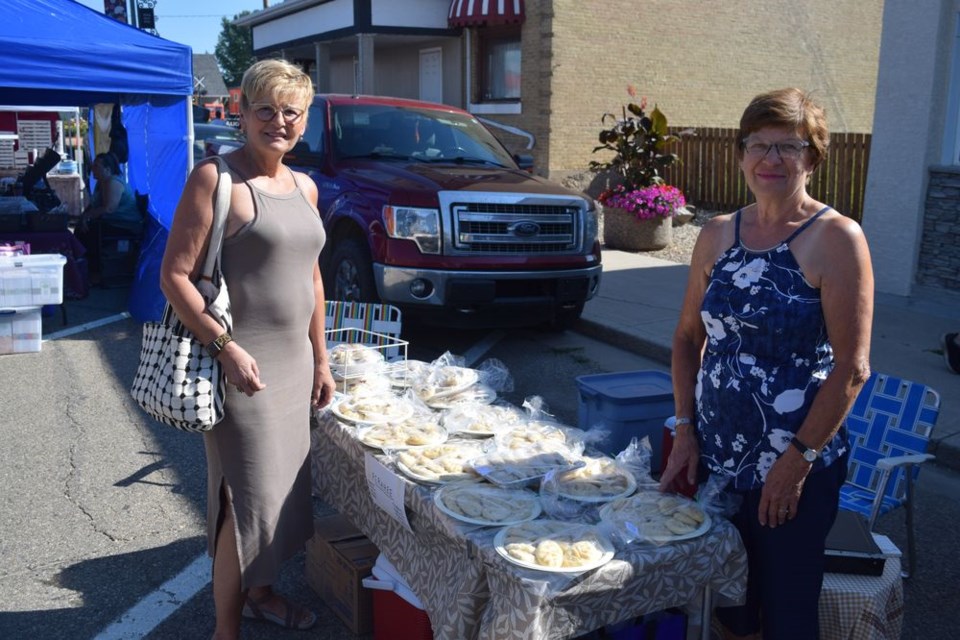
(479, 13)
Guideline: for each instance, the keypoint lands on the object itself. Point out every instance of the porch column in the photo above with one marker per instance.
(365, 64)
(321, 57)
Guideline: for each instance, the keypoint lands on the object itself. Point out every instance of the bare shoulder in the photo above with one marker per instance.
(306, 184)
(716, 236)
(204, 175)
(837, 237)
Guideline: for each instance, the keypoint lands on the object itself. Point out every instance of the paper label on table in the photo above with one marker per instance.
(386, 489)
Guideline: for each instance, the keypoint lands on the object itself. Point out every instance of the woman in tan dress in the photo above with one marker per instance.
(259, 509)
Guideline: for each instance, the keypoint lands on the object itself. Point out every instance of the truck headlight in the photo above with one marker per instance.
(413, 223)
(591, 227)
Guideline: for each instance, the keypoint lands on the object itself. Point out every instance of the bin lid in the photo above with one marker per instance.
(628, 385)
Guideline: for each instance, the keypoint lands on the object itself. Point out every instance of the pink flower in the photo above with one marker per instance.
(657, 201)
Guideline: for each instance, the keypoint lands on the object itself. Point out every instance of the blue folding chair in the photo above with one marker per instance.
(889, 426)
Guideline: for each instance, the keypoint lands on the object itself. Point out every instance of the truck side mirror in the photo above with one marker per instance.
(524, 161)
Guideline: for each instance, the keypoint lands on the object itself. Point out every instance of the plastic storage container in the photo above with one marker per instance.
(628, 404)
(31, 281)
(20, 330)
(395, 606)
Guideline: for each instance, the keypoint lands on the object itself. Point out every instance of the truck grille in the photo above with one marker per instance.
(506, 228)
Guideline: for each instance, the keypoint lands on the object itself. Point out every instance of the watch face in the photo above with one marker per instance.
(810, 455)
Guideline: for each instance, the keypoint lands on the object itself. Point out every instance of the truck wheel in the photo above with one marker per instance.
(352, 272)
(564, 319)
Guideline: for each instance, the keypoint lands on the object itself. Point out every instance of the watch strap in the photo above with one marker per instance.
(215, 347)
(808, 453)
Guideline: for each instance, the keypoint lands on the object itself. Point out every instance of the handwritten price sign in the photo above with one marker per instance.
(386, 489)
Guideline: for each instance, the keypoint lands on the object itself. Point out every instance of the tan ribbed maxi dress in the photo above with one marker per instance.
(260, 451)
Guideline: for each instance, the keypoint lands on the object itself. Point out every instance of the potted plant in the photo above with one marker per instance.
(639, 209)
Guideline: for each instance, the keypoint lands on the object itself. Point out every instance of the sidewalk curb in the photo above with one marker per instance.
(946, 451)
(624, 340)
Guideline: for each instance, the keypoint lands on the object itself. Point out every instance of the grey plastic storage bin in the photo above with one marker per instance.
(628, 404)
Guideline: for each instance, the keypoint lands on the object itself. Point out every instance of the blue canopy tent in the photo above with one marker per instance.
(59, 52)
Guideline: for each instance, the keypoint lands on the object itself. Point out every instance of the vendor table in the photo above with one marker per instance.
(62, 242)
(854, 607)
(470, 591)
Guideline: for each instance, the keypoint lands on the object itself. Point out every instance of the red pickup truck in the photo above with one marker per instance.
(426, 210)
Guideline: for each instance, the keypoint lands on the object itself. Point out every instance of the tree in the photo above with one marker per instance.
(234, 50)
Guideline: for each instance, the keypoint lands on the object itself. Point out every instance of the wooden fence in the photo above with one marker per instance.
(710, 178)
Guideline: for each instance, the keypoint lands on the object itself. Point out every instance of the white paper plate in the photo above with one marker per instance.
(364, 431)
(347, 370)
(631, 487)
(477, 393)
(405, 372)
(406, 410)
(469, 377)
(458, 415)
(471, 450)
(609, 516)
(534, 502)
(606, 547)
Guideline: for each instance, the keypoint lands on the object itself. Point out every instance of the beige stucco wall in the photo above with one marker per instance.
(913, 82)
(701, 62)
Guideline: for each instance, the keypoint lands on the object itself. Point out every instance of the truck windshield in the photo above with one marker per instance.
(421, 135)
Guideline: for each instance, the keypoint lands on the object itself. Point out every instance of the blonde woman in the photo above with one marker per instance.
(259, 509)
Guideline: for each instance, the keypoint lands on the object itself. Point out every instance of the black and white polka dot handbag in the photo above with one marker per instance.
(177, 382)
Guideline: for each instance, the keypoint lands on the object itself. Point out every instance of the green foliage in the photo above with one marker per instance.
(640, 143)
(234, 50)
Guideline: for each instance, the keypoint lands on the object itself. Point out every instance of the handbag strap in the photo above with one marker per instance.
(207, 284)
(221, 204)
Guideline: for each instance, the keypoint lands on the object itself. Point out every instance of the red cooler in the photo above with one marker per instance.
(395, 606)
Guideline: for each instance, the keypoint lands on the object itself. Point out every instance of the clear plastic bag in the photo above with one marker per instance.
(482, 420)
(577, 494)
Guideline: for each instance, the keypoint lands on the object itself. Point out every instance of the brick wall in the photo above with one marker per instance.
(939, 263)
(701, 64)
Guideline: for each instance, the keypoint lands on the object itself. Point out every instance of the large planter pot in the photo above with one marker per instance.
(623, 230)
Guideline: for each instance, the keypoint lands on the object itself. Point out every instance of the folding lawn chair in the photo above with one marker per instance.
(889, 426)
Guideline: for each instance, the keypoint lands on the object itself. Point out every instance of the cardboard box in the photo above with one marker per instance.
(339, 557)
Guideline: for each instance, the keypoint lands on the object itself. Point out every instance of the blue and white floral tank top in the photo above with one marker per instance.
(767, 353)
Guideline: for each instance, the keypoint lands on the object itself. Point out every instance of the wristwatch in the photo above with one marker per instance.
(810, 455)
(216, 347)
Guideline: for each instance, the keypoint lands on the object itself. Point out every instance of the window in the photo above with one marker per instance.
(500, 66)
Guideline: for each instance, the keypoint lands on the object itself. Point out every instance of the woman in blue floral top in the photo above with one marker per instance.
(770, 351)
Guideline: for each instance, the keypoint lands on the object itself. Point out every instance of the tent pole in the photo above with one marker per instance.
(190, 135)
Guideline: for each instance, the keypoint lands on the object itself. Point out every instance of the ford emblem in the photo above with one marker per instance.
(525, 228)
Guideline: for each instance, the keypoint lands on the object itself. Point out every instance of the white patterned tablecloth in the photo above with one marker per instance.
(469, 591)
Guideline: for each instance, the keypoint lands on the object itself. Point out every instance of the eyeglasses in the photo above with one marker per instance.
(789, 149)
(267, 112)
